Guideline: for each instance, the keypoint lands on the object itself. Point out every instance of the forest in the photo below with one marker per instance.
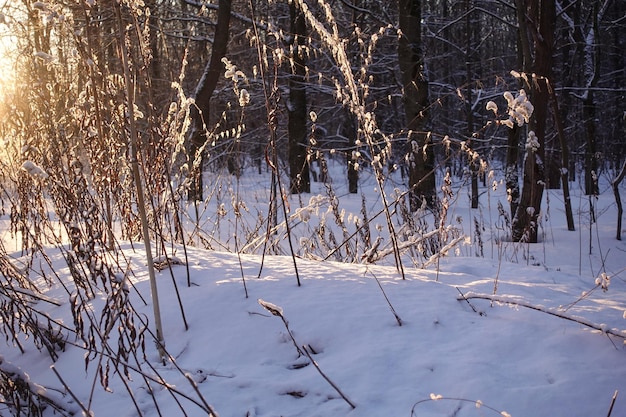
(319, 130)
(284, 86)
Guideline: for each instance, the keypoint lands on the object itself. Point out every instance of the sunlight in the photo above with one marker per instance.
(8, 52)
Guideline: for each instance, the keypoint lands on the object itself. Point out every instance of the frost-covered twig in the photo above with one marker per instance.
(152, 376)
(278, 312)
(412, 241)
(22, 395)
(443, 251)
(357, 106)
(602, 281)
(477, 403)
(522, 303)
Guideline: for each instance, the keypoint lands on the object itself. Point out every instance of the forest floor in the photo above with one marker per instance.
(425, 345)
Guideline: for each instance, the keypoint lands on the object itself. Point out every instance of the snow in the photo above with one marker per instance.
(34, 170)
(449, 354)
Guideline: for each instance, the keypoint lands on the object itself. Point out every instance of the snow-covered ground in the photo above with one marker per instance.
(390, 346)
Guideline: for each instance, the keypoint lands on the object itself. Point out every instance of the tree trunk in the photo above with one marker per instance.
(564, 161)
(553, 174)
(299, 174)
(618, 200)
(512, 168)
(349, 126)
(470, 28)
(513, 137)
(525, 222)
(203, 93)
(543, 14)
(591, 161)
(420, 152)
(589, 108)
(616, 182)
(159, 84)
(350, 132)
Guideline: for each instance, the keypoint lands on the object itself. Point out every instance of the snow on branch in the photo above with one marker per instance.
(34, 170)
(518, 302)
(23, 396)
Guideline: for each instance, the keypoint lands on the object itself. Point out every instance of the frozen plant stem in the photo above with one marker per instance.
(612, 404)
(521, 303)
(338, 50)
(141, 206)
(80, 404)
(271, 106)
(393, 310)
(332, 384)
(468, 302)
(477, 403)
(278, 312)
(71, 393)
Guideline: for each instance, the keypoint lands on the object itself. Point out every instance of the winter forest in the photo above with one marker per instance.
(252, 207)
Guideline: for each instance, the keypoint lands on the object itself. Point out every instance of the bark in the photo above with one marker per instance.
(543, 15)
(512, 168)
(420, 152)
(513, 136)
(618, 200)
(522, 24)
(204, 91)
(470, 28)
(299, 173)
(564, 161)
(349, 131)
(566, 99)
(349, 126)
(553, 163)
(525, 224)
(589, 108)
(591, 160)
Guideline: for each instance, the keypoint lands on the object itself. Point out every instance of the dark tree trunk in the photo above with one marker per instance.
(569, 216)
(618, 199)
(204, 91)
(471, 29)
(446, 107)
(512, 168)
(566, 99)
(553, 174)
(525, 222)
(159, 82)
(299, 173)
(589, 109)
(543, 14)
(591, 160)
(350, 132)
(513, 137)
(420, 152)
(349, 126)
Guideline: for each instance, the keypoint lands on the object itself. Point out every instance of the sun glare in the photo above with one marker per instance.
(8, 52)
(7, 57)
